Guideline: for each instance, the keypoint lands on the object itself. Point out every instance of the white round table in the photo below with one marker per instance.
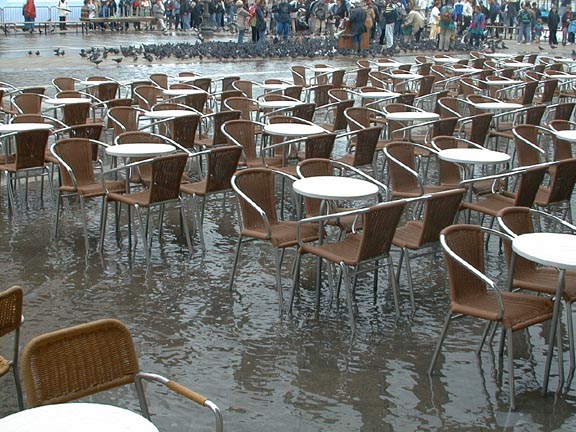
(503, 82)
(23, 127)
(499, 55)
(139, 150)
(473, 156)
(445, 59)
(89, 83)
(549, 249)
(517, 65)
(183, 92)
(277, 104)
(76, 417)
(293, 129)
(162, 114)
(66, 101)
(466, 70)
(559, 76)
(335, 188)
(412, 116)
(566, 135)
(379, 95)
(497, 106)
(405, 76)
(387, 64)
(275, 86)
(322, 69)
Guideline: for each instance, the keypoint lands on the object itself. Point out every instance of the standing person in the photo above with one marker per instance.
(467, 12)
(63, 12)
(477, 26)
(185, 14)
(553, 21)
(389, 16)
(252, 22)
(341, 12)
(169, 7)
(281, 13)
(29, 12)
(177, 15)
(357, 25)
(370, 18)
(434, 20)
(243, 19)
(318, 14)
(159, 13)
(415, 23)
(446, 27)
(566, 18)
(524, 24)
(260, 23)
(511, 10)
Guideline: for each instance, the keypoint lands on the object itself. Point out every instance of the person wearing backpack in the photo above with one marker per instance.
(447, 27)
(567, 17)
(318, 14)
(477, 27)
(524, 24)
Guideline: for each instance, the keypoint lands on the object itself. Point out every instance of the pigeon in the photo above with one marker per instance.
(540, 48)
(573, 55)
(29, 52)
(57, 51)
(37, 52)
(118, 60)
(553, 46)
(62, 53)
(97, 61)
(573, 52)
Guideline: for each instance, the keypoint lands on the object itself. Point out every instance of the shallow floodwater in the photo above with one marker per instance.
(297, 373)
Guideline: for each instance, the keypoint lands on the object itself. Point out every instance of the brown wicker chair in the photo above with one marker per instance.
(64, 83)
(28, 103)
(212, 135)
(124, 119)
(364, 151)
(335, 112)
(259, 219)
(181, 129)
(473, 294)
(516, 221)
(159, 79)
(245, 86)
(221, 163)
(249, 108)
(164, 188)
(562, 148)
(440, 211)
(68, 364)
(29, 158)
(11, 321)
(405, 181)
(475, 128)
(246, 133)
(74, 157)
(559, 192)
(146, 96)
(351, 253)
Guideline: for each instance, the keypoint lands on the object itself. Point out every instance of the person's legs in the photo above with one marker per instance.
(286, 32)
(261, 39)
(553, 38)
(389, 35)
(241, 36)
(528, 33)
(417, 35)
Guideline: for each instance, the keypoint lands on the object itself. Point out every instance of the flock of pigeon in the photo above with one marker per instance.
(324, 47)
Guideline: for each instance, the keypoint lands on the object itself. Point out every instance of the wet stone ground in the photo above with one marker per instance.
(296, 373)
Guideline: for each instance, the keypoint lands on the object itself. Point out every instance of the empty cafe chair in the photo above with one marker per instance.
(10, 322)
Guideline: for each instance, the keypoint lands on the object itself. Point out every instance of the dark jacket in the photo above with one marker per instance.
(357, 20)
(260, 21)
(553, 20)
(282, 12)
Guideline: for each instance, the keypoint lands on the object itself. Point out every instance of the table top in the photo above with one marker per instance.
(323, 69)
(466, 70)
(293, 129)
(561, 76)
(22, 127)
(565, 60)
(95, 82)
(499, 55)
(503, 82)
(275, 86)
(517, 64)
(473, 156)
(405, 76)
(139, 150)
(446, 59)
(386, 64)
(66, 101)
(278, 104)
(379, 95)
(412, 115)
(566, 135)
(552, 249)
(497, 106)
(162, 114)
(334, 188)
(183, 92)
(75, 417)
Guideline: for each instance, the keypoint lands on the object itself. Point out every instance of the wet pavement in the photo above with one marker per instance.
(298, 373)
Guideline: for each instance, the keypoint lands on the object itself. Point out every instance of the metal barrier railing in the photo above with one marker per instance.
(13, 14)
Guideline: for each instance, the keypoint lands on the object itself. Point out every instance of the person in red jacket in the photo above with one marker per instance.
(29, 12)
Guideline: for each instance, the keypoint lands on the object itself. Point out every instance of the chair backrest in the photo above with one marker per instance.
(361, 77)
(426, 83)
(258, 185)
(75, 114)
(160, 79)
(203, 83)
(196, 101)
(467, 243)
(449, 107)
(69, 94)
(517, 220)
(295, 91)
(107, 91)
(440, 211)
(443, 126)
(76, 153)
(227, 82)
(64, 83)
(244, 86)
(91, 131)
(480, 127)
(529, 92)
(219, 119)
(534, 114)
(146, 96)
(563, 111)
(166, 177)
(319, 146)
(36, 90)
(183, 130)
(530, 181)
(562, 181)
(562, 148)
(299, 75)
(339, 119)
(366, 141)
(243, 133)
(526, 139)
(79, 361)
(247, 107)
(400, 155)
(222, 164)
(135, 84)
(136, 137)
(125, 119)
(550, 87)
(378, 227)
(228, 94)
(10, 310)
(304, 111)
(358, 117)
(30, 148)
(28, 103)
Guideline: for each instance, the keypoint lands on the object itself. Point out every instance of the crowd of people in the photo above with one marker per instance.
(387, 21)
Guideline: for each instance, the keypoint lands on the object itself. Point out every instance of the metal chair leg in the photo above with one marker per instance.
(295, 280)
(279, 255)
(511, 368)
(410, 285)
(570, 326)
(84, 223)
(235, 262)
(394, 285)
(348, 285)
(185, 223)
(440, 342)
(484, 334)
(104, 215)
(57, 224)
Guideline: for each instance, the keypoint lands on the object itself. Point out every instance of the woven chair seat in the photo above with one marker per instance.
(4, 366)
(417, 192)
(490, 205)
(544, 280)
(11, 167)
(283, 234)
(7, 159)
(141, 199)
(274, 161)
(345, 251)
(408, 236)
(96, 189)
(520, 310)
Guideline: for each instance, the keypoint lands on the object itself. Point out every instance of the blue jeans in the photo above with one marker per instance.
(185, 22)
(29, 23)
(525, 29)
(261, 39)
(283, 29)
(241, 36)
